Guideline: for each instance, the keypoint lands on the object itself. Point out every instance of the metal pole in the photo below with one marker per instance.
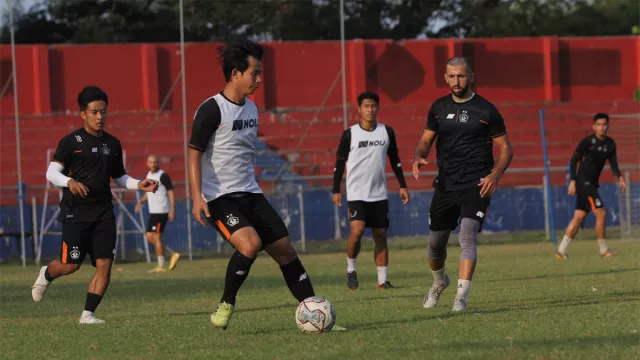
(17, 117)
(627, 179)
(343, 61)
(545, 195)
(303, 236)
(34, 223)
(184, 129)
(548, 176)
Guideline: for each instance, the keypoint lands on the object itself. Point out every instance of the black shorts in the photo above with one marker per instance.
(157, 223)
(375, 214)
(98, 239)
(449, 206)
(231, 212)
(587, 198)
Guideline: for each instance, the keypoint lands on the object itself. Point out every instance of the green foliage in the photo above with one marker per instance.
(121, 21)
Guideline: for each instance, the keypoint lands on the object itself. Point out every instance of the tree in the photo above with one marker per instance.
(504, 18)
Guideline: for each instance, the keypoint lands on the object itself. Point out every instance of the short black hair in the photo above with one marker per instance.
(90, 94)
(368, 95)
(234, 54)
(600, 116)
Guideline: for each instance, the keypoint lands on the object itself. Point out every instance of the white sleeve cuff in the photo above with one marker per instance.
(55, 176)
(127, 182)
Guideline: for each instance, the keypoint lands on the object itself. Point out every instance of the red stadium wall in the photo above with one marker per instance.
(299, 74)
(138, 77)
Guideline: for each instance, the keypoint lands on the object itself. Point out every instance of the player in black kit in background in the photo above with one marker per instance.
(82, 165)
(592, 153)
(464, 127)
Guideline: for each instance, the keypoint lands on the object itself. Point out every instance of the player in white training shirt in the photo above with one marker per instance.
(221, 160)
(162, 205)
(364, 148)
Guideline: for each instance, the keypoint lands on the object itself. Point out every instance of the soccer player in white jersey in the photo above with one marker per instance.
(162, 205)
(364, 149)
(221, 159)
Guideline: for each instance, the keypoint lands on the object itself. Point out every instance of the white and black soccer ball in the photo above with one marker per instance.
(315, 315)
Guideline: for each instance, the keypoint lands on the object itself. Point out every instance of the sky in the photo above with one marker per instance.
(4, 5)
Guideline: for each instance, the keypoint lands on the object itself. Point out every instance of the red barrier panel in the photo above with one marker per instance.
(299, 74)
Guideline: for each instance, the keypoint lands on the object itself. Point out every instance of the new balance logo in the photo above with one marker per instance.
(302, 277)
(78, 138)
(240, 272)
(244, 124)
(363, 144)
(451, 116)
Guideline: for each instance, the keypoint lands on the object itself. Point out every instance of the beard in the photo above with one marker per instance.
(460, 92)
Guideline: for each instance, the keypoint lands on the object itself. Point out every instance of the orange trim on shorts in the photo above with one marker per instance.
(223, 229)
(64, 252)
(593, 205)
(158, 228)
(484, 122)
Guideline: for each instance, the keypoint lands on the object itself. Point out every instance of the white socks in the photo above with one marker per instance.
(86, 313)
(161, 261)
(566, 240)
(463, 289)
(438, 277)
(382, 274)
(351, 265)
(603, 246)
(562, 249)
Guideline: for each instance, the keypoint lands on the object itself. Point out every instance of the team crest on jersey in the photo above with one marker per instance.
(232, 220)
(463, 117)
(593, 140)
(75, 253)
(105, 149)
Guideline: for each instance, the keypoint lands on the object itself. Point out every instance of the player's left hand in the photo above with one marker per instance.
(172, 215)
(148, 185)
(404, 195)
(489, 184)
(622, 184)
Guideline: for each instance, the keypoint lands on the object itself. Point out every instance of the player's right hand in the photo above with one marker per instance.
(337, 199)
(417, 163)
(200, 206)
(572, 188)
(78, 188)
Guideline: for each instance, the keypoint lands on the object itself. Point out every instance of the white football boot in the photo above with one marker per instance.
(39, 288)
(432, 297)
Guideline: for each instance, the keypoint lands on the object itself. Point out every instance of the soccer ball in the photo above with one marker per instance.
(315, 315)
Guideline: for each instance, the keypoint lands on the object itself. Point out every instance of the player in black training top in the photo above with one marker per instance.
(592, 153)
(464, 127)
(82, 165)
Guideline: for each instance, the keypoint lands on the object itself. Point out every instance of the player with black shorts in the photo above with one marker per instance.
(592, 153)
(82, 165)
(464, 127)
(221, 156)
(364, 149)
(162, 205)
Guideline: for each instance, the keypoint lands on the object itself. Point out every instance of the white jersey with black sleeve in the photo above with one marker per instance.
(226, 133)
(365, 154)
(159, 200)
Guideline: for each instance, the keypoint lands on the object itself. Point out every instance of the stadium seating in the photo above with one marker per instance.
(283, 140)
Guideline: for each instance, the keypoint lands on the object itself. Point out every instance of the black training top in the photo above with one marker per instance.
(92, 161)
(464, 144)
(592, 153)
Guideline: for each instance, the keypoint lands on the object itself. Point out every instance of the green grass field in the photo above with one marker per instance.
(523, 304)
